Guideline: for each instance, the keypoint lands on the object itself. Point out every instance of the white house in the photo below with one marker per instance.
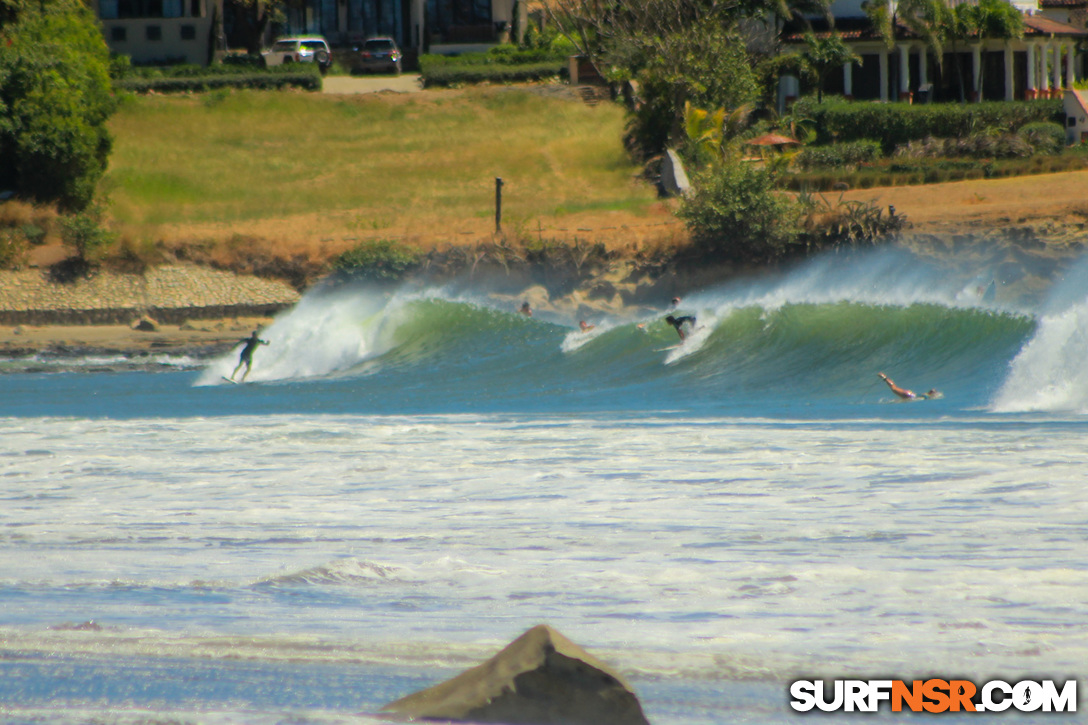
(1040, 65)
(1076, 117)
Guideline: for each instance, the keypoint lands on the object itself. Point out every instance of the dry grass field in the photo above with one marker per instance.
(314, 173)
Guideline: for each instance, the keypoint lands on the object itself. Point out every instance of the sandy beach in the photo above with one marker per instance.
(208, 337)
(965, 207)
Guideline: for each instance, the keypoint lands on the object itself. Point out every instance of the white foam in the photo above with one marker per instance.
(756, 540)
(1049, 373)
(578, 338)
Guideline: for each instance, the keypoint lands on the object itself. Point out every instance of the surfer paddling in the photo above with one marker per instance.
(678, 323)
(246, 358)
(908, 394)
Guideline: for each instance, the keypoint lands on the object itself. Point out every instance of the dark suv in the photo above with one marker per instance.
(377, 54)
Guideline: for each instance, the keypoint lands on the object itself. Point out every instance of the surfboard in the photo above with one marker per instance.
(231, 381)
(670, 347)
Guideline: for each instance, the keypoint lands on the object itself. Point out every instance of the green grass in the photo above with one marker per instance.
(421, 161)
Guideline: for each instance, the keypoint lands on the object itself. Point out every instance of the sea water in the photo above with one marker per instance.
(411, 478)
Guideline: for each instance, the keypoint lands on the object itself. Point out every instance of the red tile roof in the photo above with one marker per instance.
(1038, 25)
(1034, 26)
(1082, 99)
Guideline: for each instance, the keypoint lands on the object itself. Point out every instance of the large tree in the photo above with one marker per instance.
(55, 98)
(703, 65)
(679, 51)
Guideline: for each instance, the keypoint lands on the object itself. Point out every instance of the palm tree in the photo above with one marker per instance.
(959, 25)
(715, 134)
(825, 54)
(993, 19)
(931, 20)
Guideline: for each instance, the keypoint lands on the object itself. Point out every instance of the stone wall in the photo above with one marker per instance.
(169, 294)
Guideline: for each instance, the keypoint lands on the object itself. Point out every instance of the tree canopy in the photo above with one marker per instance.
(679, 52)
(55, 98)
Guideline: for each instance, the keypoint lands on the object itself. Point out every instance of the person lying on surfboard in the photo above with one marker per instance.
(586, 327)
(678, 323)
(246, 357)
(907, 394)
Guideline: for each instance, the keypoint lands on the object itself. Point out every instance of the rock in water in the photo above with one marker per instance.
(541, 678)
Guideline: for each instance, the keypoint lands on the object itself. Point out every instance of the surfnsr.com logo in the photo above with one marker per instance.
(934, 696)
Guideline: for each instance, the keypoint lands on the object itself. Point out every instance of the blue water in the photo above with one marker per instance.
(411, 478)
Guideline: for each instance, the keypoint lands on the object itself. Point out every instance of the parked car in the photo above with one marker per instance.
(299, 50)
(377, 54)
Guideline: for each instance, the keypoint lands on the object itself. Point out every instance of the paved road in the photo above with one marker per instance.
(404, 83)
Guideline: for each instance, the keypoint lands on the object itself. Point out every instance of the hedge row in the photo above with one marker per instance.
(310, 81)
(231, 65)
(839, 154)
(499, 55)
(451, 75)
(911, 172)
(896, 124)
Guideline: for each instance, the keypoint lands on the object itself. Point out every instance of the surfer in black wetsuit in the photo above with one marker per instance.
(678, 323)
(246, 357)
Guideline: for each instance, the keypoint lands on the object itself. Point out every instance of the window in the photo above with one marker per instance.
(188, 32)
(118, 35)
(140, 8)
(154, 32)
(1070, 121)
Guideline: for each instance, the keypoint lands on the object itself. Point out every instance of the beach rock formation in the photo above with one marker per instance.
(541, 678)
(145, 324)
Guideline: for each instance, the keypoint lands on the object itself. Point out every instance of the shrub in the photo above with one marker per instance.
(55, 99)
(377, 260)
(452, 75)
(13, 248)
(896, 124)
(501, 64)
(853, 222)
(257, 80)
(232, 65)
(84, 231)
(734, 212)
(120, 66)
(33, 233)
(499, 55)
(1044, 137)
(979, 146)
(840, 154)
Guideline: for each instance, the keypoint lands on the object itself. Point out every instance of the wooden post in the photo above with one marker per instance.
(498, 204)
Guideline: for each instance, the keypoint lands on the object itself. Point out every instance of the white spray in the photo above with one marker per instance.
(1050, 373)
